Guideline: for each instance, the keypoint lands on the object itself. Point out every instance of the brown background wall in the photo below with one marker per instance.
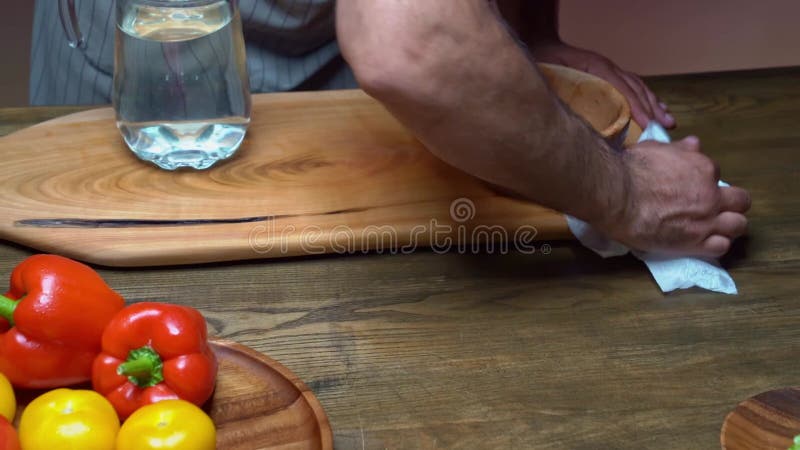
(681, 36)
(646, 36)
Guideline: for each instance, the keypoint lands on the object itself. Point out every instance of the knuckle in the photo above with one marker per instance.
(707, 167)
(678, 233)
(692, 144)
(707, 199)
(693, 232)
(722, 247)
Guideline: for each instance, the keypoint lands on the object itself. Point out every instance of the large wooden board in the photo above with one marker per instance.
(319, 172)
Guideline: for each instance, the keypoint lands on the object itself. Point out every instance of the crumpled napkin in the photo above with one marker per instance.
(669, 272)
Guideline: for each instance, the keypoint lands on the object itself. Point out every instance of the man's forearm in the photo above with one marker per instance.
(454, 76)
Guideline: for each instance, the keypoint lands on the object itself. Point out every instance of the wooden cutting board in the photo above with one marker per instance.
(321, 172)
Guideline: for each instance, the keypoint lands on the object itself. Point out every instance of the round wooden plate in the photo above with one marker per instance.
(257, 404)
(767, 421)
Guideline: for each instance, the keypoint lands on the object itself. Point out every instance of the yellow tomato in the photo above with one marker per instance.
(67, 419)
(168, 424)
(8, 403)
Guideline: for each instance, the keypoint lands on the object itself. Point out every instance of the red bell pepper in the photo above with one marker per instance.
(51, 321)
(153, 352)
(9, 439)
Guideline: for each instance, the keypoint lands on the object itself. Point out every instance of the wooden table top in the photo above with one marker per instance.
(547, 351)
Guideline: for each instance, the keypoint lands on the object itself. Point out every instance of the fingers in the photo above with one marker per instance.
(734, 199)
(714, 246)
(648, 102)
(658, 108)
(640, 108)
(645, 106)
(730, 225)
(727, 226)
(613, 76)
(689, 143)
(641, 93)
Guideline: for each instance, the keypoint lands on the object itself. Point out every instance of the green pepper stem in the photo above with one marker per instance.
(7, 307)
(143, 367)
(138, 367)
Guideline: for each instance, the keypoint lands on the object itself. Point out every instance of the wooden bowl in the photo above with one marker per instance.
(767, 421)
(592, 98)
(257, 403)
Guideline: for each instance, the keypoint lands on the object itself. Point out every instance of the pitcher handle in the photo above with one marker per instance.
(69, 21)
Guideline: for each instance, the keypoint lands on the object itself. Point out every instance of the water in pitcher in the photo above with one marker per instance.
(180, 85)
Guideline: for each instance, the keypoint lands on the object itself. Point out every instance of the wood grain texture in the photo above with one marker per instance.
(318, 173)
(767, 421)
(546, 351)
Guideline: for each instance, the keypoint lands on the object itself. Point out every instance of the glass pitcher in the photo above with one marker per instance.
(181, 91)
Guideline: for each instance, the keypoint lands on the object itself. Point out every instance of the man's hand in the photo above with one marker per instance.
(456, 78)
(645, 106)
(674, 205)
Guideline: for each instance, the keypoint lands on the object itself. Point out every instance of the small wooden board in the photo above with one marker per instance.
(767, 421)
